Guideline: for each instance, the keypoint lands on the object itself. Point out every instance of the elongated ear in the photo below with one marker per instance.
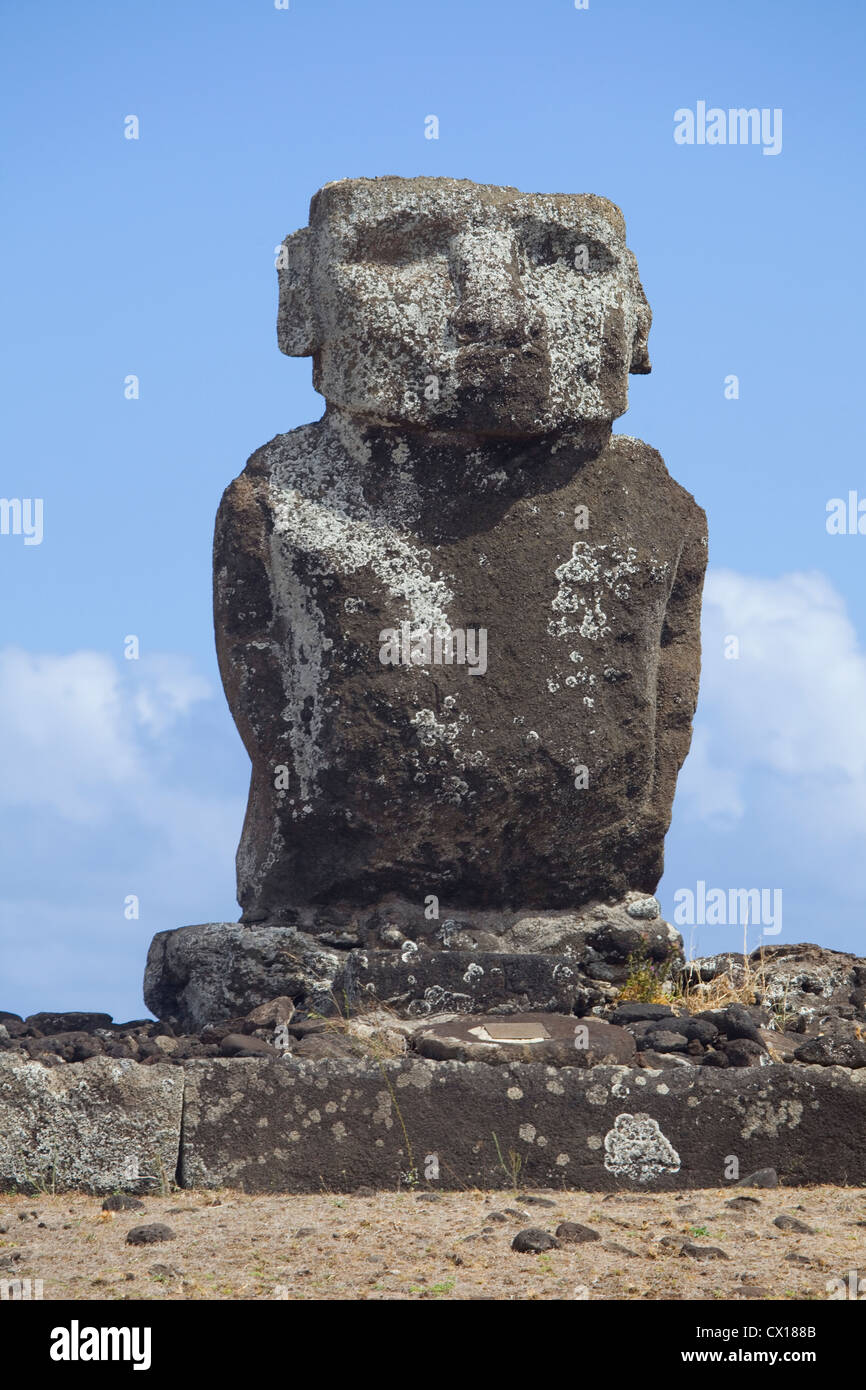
(640, 362)
(295, 326)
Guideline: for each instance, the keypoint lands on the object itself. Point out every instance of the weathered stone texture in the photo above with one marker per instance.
(559, 1040)
(294, 1124)
(97, 1126)
(802, 982)
(204, 974)
(478, 962)
(299, 1126)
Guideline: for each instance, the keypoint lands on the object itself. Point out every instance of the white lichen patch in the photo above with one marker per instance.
(636, 1148)
(767, 1119)
(346, 534)
(587, 581)
(419, 1075)
(618, 1087)
(303, 664)
(323, 526)
(382, 1114)
(442, 735)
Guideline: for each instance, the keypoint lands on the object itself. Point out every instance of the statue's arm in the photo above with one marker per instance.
(243, 602)
(678, 673)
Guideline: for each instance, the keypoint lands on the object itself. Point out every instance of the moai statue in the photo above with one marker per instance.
(457, 619)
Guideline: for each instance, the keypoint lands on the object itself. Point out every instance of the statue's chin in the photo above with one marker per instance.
(494, 420)
(468, 411)
(521, 411)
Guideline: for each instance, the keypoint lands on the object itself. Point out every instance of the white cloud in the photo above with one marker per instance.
(168, 691)
(113, 786)
(76, 728)
(791, 707)
(713, 793)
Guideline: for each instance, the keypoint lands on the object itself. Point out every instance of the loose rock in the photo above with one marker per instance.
(121, 1201)
(573, 1233)
(534, 1241)
(151, 1234)
(790, 1223)
(764, 1177)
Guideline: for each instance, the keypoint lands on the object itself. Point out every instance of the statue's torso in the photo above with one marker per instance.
(415, 778)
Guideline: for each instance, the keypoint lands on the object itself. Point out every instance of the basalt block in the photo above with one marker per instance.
(296, 1126)
(96, 1126)
(219, 970)
(556, 1039)
(459, 982)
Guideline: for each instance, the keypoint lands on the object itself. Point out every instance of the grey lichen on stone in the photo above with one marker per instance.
(98, 1126)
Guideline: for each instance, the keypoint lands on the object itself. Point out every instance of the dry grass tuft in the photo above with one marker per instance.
(373, 1032)
(745, 982)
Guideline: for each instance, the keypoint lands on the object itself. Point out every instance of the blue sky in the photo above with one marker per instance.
(155, 256)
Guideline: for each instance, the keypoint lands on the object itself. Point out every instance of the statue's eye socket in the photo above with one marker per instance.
(400, 241)
(550, 243)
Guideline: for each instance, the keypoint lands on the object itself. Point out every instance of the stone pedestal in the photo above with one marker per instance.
(475, 964)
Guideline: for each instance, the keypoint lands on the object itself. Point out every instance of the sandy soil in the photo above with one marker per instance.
(398, 1245)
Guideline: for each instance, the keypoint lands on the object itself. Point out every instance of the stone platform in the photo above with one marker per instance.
(289, 1125)
(567, 962)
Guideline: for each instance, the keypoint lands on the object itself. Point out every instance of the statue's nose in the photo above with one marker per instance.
(491, 302)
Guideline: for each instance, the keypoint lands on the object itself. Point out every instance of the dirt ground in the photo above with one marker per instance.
(405, 1245)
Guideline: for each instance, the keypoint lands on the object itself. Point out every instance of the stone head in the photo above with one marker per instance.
(442, 304)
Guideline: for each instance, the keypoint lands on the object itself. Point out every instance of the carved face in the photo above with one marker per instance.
(439, 303)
